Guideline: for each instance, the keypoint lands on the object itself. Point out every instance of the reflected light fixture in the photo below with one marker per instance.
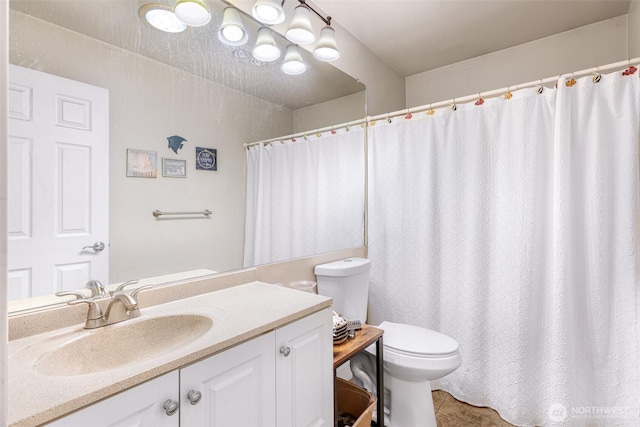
(327, 49)
(293, 63)
(232, 31)
(193, 12)
(300, 31)
(268, 12)
(266, 48)
(161, 16)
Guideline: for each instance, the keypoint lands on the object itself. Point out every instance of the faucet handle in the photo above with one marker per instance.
(94, 313)
(121, 287)
(78, 295)
(141, 288)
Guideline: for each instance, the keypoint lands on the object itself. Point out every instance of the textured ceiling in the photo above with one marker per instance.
(196, 50)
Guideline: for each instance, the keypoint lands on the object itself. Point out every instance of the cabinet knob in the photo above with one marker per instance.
(285, 351)
(194, 397)
(171, 407)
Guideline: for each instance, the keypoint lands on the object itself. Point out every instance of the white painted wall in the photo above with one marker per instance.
(634, 29)
(337, 111)
(585, 47)
(150, 101)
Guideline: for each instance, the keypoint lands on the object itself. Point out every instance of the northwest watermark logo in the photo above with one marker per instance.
(559, 413)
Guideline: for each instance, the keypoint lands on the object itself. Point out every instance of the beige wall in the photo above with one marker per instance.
(150, 101)
(585, 47)
(341, 110)
(385, 86)
(634, 29)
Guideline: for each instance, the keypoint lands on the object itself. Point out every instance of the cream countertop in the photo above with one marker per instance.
(238, 313)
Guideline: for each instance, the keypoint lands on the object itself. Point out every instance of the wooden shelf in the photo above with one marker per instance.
(363, 339)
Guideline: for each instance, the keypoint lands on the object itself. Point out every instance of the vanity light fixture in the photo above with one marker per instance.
(232, 32)
(266, 48)
(300, 30)
(268, 12)
(193, 12)
(161, 17)
(293, 63)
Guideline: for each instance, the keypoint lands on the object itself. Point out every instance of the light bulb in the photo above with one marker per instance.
(300, 31)
(268, 11)
(293, 63)
(193, 12)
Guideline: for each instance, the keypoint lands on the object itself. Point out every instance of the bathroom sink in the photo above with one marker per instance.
(116, 345)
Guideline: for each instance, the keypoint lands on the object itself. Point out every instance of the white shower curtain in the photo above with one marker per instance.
(514, 227)
(305, 197)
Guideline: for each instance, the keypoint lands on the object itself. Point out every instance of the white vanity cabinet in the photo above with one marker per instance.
(304, 372)
(232, 388)
(283, 378)
(140, 406)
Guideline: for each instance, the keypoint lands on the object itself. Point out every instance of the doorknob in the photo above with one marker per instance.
(97, 246)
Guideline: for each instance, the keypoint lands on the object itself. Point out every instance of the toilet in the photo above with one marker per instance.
(413, 356)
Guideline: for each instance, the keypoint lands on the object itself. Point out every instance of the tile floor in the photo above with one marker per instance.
(453, 413)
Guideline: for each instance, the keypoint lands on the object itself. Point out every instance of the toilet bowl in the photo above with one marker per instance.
(413, 356)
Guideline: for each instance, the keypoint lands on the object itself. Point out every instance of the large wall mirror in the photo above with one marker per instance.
(159, 85)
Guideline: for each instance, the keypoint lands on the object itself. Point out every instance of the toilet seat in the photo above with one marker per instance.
(414, 353)
(417, 342)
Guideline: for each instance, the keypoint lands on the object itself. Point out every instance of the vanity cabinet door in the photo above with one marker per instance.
(232, 388)
(304, 369)
(140, 406)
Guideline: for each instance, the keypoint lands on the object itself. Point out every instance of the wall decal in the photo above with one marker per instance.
(142, 163)
(206, 159)
(176, 143)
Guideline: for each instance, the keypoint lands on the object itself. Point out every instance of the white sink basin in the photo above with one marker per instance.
(123, 343)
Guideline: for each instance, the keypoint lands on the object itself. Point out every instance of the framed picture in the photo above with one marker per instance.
(206, 159)
(142, 163)
(174, 168)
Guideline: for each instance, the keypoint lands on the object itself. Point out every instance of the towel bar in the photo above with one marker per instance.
(205, 212)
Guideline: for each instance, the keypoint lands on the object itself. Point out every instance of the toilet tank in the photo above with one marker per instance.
(347, 282)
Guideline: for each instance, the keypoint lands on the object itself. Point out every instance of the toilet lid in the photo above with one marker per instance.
(416, 341)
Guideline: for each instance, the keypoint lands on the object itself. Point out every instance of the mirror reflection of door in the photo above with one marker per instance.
(58, 200)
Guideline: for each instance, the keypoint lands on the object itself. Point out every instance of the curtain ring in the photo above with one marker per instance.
(348, 127)
(454, 107)
(596, 76)
(388, 119)
(508, 95)
(430, 111)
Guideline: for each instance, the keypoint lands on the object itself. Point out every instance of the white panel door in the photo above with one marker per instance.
(140, 406)
(58, 175)
(237, 387)
(304, 372)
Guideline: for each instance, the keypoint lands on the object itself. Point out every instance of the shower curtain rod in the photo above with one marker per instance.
(450, 102)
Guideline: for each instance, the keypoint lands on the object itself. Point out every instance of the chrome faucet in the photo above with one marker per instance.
(122, 306)
(96, 287)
